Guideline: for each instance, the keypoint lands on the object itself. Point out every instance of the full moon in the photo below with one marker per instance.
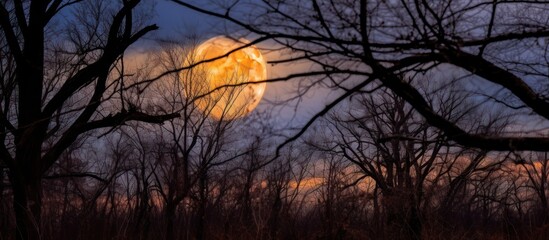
(227, 87)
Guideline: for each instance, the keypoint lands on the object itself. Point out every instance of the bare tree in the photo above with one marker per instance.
(390, 144)
(536, 168)
(44, 65)
(198, 142)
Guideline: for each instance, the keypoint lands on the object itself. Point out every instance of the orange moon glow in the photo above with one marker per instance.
(245, 65)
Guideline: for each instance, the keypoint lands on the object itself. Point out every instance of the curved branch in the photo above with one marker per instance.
(110, 121)
(491, 72)
(454, 132)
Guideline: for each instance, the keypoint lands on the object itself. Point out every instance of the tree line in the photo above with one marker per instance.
(376, 170)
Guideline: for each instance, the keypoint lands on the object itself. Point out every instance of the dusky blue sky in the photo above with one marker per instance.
(175, 20)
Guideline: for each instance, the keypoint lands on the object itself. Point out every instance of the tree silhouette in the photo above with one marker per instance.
(55, 80)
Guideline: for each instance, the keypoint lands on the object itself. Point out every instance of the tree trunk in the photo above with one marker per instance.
(203, 201)
(31, 130)
(170, 215)
(26, 179)
(415, 224)
(273, 221)
(27, 203)
(403, 217)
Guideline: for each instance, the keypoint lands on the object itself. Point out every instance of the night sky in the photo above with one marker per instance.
(174, 19)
